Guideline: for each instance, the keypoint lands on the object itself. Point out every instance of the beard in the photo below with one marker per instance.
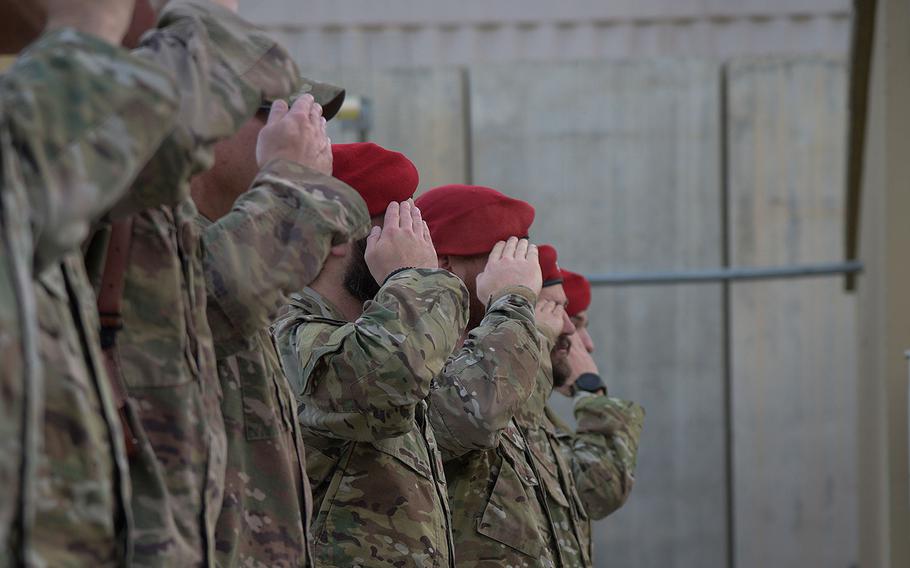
(559, 357)
(357, 278)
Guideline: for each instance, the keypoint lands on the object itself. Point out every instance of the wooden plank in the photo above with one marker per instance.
(419, 112)
(793, 342)
(621, 161)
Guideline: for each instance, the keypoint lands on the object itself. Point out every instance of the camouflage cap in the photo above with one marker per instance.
(329, 96)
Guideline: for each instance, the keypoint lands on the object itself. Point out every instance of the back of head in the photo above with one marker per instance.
(379, 175)
(468, 220)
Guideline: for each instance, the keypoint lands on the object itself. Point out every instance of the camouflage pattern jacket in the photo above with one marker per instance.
(79, 119)
(249, 265)
(498, 510)
(377, 474)
(224, 67)
(587, 474)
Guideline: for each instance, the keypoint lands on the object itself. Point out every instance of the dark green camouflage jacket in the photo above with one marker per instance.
(497, 507)
(274, 240)
(587, 474)
(224, 67)
(79, 119)
(377, 474)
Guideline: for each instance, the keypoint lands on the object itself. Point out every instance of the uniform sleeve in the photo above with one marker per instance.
(224, 67)
(605, 451)
(483, 384)
(362, 381)
(79, 118)
(273, 242)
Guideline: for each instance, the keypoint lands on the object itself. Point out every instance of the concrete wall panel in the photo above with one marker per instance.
(793, 354)
(420, 112)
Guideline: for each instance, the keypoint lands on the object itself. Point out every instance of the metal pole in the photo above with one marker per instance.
(726, 274)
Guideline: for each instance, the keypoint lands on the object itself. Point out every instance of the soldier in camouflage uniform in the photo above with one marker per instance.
(362, 373)
(165, 351)
(588, 473)
(498, 508)
(249, 266)
(69, 149)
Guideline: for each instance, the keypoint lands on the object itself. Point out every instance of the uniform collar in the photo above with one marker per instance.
(312, 303)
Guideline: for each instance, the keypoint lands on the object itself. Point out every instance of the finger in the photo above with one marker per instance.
(426, 232)
(316, 114)
(509, 250)
(521, 249)
(391, 215)
(277, 112)
(416, 218)
(532, 253)
(303, 105)
(375, 232)
(496, 253)
(405, 220)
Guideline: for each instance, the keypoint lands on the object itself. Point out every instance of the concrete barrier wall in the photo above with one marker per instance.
(630, 166)
(794, 367)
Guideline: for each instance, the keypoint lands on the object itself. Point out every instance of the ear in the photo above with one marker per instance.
(445, 263)
(341, 250)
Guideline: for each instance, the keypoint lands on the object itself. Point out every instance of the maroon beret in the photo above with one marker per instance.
(548, 266)
(380, 176)
(465, 220)
(578, 290)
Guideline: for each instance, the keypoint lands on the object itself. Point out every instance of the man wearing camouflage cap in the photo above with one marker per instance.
(164, 358)
(594, 460)
(362, 372)
(69, 149)
(498, 508)
(249, 266)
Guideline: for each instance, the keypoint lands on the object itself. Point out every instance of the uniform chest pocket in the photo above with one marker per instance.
(549, 477)
(410, 450)
(506, 517)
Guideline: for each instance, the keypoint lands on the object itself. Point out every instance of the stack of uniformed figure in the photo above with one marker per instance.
(227, 342)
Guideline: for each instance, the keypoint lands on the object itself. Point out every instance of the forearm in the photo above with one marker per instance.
(605, 452)
(80, 119)
(485, 382)
(273, 242)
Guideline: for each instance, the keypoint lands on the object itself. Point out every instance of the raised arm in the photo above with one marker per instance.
(78, 119)
(362, 381)
(604, 451)
(484, 383)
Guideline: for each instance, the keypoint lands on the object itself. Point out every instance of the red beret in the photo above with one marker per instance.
(548, 266)
(379, 175)
(465, 220)
(578, 290)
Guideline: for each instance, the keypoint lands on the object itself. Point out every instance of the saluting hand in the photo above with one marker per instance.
(403, 242)
(511, 263)
(550, 317)
(581, 362)
(297, 134)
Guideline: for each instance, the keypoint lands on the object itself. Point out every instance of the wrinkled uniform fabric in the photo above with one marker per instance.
(275, 240)
(372, 459)
(79, 119)
(587, 475)
(224, 67)
(497, 505)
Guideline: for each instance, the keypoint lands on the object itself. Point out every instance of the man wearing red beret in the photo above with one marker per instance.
(361, 347)
(493, 491)
(588, 473)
